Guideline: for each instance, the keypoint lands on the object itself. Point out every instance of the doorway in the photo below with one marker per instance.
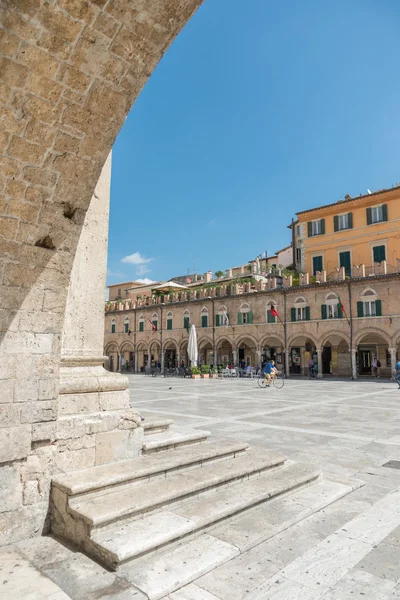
(326, 360)
(365, 362)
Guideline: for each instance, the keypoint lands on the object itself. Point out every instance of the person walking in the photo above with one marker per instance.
(398, 373)
(310, 366)
(374, 366)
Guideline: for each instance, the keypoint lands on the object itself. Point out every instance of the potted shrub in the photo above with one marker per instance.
(195, 372)
(205, 371)
(213, 372)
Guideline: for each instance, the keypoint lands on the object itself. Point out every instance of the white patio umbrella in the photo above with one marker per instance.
(192, 350)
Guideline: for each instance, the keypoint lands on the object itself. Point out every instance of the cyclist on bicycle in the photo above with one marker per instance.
(398, 373)
(268, 369)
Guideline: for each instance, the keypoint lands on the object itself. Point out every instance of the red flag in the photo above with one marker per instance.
(188, 280)
(340, 306)
(154, 328)
(274, 312)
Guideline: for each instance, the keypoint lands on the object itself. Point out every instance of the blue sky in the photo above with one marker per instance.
(258, 110)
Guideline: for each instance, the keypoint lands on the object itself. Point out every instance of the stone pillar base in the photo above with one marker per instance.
(95, 423)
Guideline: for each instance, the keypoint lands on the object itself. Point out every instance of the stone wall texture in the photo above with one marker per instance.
(70, 71)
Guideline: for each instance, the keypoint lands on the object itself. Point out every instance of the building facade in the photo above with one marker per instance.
(363, 230)
(343, 324)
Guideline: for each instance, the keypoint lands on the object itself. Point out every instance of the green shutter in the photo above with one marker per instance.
(126, 327)
(270, 318)
(186, 323)
(350, 220)
(141, 326)
(369, 216)
(379, 253)
(378, 308)
(384, 212)
(339, 312)
(204, 320)
(217, 321)
(336, 223)
(360, 309)
(240, 318)
(317, 264)
(323, 311)
(293, 314)
(309, 228)
(307, 313)
(322, 226)
(155, 323)
(169, 323)
(250, 318)
(113, 328)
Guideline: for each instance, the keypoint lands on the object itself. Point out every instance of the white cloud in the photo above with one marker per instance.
(136, 259)
(111, 273)
(145, 281)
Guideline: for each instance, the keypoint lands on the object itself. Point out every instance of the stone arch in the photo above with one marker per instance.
(293, 337)
(334, 334)
(396, 339)
(79, 68)
(111, 347)
(272, 337)
(223, 340)
(371, 330)
(203, 341)
(245, 337)
(141, 346)
(170, 342)
(127, 346)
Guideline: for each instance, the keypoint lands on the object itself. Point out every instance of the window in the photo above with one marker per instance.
(300, 310)
(297, 229)
(126, 325)
(186, 320)
(345, 261)
(341, 222)
(379, 253)
(245, 316)
(119, 292)
(316, 227)
(317, 264)
(141, 323)
(169, 320)
(270, 318)
(298, 254)
(204, 317)
(377, 214)
(369, 305)
(330, 310)
(113, 326)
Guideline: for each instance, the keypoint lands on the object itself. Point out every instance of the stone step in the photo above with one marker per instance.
(103, 509)
(146, 467)
(171, 570)
(156, 426)
(125, 541)
(173, 439)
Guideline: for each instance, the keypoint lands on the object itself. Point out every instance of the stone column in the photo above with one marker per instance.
(86, 388)
(393, 362)
(287, 363)
(162, 360)
(234, 355)
(319, 355)
(258, 357)
(353, 364)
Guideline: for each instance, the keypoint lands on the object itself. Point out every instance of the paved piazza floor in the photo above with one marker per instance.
(351, 549)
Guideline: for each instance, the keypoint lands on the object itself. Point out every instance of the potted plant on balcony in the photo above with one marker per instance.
(195, 371)
(205, 371)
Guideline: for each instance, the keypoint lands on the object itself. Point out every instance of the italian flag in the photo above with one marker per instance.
(341, 306)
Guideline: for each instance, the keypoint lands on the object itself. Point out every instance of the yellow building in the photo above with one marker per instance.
(363, 230)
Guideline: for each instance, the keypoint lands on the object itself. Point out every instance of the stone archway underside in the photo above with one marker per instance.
(71, 71)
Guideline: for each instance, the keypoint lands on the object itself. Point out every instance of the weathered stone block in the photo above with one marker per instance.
(118, 445)
(70, 404)
(10, 488)
(36, 412)
(76, 79)
(13, 73)
(42, 177)
(27, 521)
(74, 460)
(8, 43)
(8, 227)
(6, 390)
(15, 442)
(43, 431)
(38, 60)
(9, 415)
(30, 493)
(26, 390)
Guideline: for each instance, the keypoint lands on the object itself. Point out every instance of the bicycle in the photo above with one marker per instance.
(277, 381)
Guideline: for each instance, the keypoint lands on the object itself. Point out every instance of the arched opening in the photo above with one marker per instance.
(127, 357)
(170, 354)
(205, 352)
(224, 352)
(335, 356)
(112, 353)
(142, 356)
(247, 352)
(272, 348)
(155, 354)
(373, 355)
(301, 350)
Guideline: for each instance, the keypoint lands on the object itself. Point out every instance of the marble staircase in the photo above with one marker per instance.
(153, 507)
